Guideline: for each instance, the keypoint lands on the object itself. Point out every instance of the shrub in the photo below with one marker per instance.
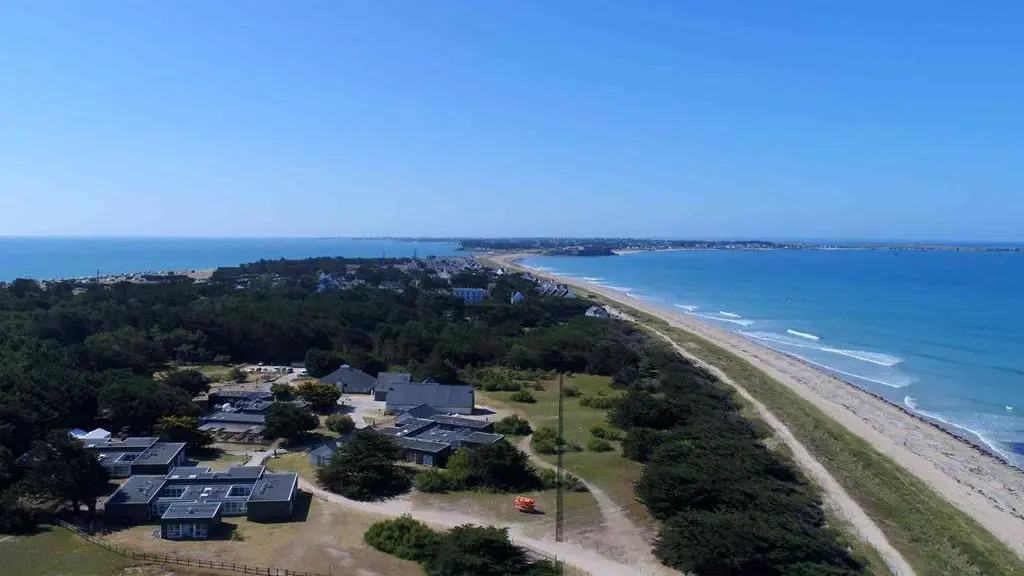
(403, 537)
(545, 441)
(640, 443)
(549, 479)
(570, 391)
(366, 468)
(433, 481)
(513, 426)
(599, 445)
(340, 423)
(281, 391)
(599, 402)
(523, 397)
(606, 433)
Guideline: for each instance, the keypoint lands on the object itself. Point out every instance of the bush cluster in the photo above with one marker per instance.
(545, 441)
(513, 426)
(606, 433)
(463, 550)
(498, 467)
(523, 397)
(727, 504)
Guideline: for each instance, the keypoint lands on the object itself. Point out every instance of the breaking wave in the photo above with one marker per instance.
(593, 278)
(807, 335)
(729, 314)
(687, 307)
(878, 358)
(743, 323)
(911, 403)
(900, 382)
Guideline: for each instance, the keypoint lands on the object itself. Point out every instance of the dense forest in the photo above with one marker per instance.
(85, 355)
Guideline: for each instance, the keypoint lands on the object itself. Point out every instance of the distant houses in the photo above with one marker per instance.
(470, 295)
(351, 380)
(516, 298)
(597, 312)
(189, 502)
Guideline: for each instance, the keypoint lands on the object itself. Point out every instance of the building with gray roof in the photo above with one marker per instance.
(351, 380)
(136, 455)
(449, 398)
(385, 380)
(432, 438)
(248, 491)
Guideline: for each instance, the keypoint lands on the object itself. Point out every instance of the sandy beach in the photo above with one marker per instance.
(979, 484)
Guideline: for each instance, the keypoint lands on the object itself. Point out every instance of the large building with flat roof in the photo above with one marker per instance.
(429, 437)
(136, 455)
(190, 500)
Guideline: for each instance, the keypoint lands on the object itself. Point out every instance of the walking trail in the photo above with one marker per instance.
(628, 538)
(572, 554)
(834, 495)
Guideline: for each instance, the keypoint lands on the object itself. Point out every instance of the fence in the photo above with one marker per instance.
(186, 561)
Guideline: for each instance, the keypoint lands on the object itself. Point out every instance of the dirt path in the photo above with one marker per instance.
(572, 554)
(834, 495)
(623, 535)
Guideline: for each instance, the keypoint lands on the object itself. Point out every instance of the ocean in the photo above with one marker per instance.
(940, 333)
(48, 258)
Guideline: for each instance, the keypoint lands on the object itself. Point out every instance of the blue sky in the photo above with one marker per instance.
(454, 117)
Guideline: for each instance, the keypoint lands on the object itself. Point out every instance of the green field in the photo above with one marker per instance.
(607, 470)
(58, 552)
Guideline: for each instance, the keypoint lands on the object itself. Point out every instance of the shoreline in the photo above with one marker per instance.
(966, 473)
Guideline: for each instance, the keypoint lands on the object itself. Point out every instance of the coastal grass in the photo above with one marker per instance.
(931, 533)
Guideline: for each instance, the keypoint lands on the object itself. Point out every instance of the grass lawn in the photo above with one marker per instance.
(57, 552)
(608, 470)
(218, 459)
(293, 462)
(329, 540)
(582, 514)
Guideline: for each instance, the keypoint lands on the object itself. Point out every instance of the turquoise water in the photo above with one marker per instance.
(44, 258)
(941, 333)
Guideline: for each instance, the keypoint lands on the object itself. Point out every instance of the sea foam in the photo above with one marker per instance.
(730, 314)
(901, 382)
(743, 323)
(807, 335)
(688, 307)
(878, 358)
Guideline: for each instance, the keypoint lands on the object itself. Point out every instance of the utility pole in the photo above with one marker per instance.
(559, 501)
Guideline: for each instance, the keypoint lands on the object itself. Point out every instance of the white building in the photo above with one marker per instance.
(470, 295)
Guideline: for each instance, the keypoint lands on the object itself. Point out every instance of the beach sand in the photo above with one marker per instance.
(979, 484)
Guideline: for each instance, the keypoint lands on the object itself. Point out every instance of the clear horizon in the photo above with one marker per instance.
(728, 120)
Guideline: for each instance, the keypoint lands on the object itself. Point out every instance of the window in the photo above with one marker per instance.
(172, 491)
(410, 456)
(201, 531)
(230, 507)
(428, 460)
(173, 531)
(121, 471)
(240, 490)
